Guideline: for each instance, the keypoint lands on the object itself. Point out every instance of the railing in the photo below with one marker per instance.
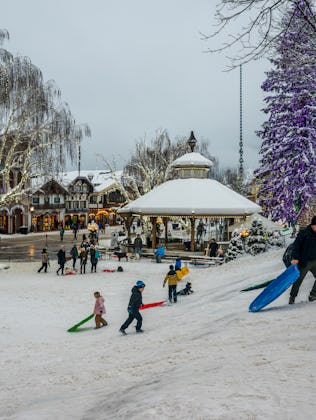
(48, 206)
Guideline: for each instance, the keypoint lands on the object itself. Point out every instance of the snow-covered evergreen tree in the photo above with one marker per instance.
(235, 247)
(288, 160)
(257, 238)
(274, 239)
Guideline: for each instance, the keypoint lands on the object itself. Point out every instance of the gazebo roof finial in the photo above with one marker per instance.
(192, 141)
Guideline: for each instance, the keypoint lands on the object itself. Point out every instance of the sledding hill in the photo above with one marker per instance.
(205, 357)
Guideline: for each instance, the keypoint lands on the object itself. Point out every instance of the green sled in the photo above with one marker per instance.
(74, 328)
(257, 286)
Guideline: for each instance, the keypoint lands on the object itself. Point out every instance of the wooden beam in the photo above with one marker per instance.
(192, 220)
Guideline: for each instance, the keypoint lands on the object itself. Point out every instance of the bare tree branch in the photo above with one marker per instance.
(263, 27)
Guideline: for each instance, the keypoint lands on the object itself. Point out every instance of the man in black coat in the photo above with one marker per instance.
(304, 254)
(61, 257)
(213, 248)
(134, 304)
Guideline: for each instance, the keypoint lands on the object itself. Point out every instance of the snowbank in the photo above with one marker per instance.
(205, 357)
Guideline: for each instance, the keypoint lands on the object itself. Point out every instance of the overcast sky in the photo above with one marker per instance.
(128, 68)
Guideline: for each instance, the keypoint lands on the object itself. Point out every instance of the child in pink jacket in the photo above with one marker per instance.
(99, 310)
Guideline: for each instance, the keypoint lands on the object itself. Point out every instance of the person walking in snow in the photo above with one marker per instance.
(93, 259)
(99, 310)
(304, 255)
(61, 258)
(74, 255)
(134, 304)
(172, 279)
(83, 260)
(61, 233)
(44, 257)
(75, 230)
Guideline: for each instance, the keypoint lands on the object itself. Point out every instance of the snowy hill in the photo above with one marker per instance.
(205, 357)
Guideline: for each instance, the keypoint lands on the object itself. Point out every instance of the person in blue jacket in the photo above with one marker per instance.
(178, 264)
(159, 253)
(134, 304)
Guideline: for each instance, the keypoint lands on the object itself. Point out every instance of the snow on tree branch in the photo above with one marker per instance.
(37, 130)
(259, 26)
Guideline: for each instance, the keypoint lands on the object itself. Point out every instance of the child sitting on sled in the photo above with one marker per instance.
(187, 290)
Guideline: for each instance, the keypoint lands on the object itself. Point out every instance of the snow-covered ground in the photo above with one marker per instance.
(205, 357)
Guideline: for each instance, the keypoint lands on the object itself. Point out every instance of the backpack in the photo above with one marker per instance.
(287, 256)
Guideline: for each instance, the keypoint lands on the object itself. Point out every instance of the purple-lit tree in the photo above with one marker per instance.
(287, 168)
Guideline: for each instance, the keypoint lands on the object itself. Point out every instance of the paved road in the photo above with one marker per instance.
(29, 247)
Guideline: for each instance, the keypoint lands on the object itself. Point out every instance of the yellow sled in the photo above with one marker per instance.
(183, 272)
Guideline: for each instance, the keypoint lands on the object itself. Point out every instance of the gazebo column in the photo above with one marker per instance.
(165, 222)
(192, 220)
(154, 231)
(128, 224)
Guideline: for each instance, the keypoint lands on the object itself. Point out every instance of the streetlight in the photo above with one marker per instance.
(32, 210)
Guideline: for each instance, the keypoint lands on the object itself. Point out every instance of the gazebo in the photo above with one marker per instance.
(193, 195)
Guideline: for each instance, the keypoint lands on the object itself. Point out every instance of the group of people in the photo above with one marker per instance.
(86, 249)
(82, 253)
(136, 302)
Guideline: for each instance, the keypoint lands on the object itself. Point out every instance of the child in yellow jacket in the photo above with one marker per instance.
(172, 279)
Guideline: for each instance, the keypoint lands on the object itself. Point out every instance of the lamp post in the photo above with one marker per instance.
(32, 210)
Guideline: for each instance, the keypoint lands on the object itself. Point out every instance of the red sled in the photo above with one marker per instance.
(107, 270)
(151, 305)
(69, 273)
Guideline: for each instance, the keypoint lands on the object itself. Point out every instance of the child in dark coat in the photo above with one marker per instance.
(187, 290)
(134, 304)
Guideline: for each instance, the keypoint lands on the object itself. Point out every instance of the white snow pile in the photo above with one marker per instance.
(205, 357)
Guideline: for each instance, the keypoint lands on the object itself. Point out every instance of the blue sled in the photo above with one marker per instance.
(275, 289)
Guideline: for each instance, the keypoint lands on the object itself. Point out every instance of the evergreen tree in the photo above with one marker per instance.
(235, 247)
(274, 239)
(256, 240)
(288, 162)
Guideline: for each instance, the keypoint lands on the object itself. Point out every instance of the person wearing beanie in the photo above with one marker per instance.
(304, 255)
(172, 279)
(134, 304)
(44, 258)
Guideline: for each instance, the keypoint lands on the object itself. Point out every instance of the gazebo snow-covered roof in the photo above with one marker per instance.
(192, 197)
(192, 159)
